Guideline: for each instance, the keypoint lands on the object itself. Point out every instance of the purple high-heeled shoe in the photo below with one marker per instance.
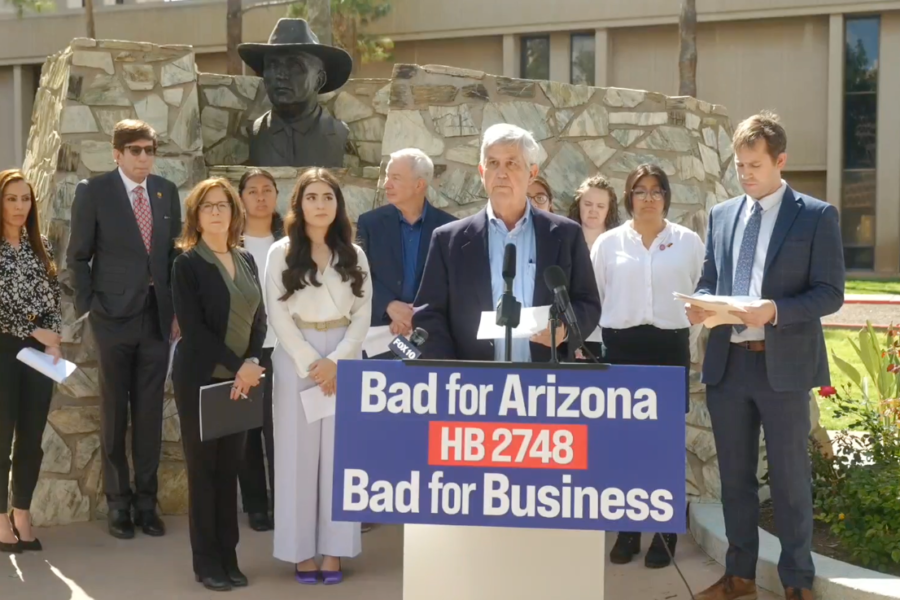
(306, 577)
(332, 577)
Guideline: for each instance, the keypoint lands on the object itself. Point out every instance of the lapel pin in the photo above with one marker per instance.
(670, 245)
(662, 246)
(159, 194)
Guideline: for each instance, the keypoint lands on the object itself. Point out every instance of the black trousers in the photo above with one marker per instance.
(212, 470)
(738, 405)
(254, 490)
(651, 346)
(133, 361)
(25, 397)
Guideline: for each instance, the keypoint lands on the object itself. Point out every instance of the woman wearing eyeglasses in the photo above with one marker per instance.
(219, 303)
(539, 194)
(638, 267)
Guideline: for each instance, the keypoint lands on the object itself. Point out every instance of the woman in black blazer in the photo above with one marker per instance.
(219, 306)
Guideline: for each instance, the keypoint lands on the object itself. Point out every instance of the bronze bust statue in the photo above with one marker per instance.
(295, 69)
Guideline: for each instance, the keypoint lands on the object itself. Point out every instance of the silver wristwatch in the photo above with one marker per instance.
(253, 359)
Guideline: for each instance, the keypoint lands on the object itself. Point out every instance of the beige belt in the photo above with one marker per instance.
(322, 325)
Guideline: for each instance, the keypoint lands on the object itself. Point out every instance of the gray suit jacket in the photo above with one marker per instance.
(803, 275)
(110, 267)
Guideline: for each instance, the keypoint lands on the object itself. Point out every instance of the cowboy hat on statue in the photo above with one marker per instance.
(295, 69)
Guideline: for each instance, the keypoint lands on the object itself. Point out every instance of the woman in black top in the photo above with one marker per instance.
(29, 318)
(218, 303)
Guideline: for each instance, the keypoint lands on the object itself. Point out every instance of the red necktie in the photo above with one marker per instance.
(143, 215)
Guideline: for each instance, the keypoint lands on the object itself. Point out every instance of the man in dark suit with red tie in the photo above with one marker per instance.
(122, 246)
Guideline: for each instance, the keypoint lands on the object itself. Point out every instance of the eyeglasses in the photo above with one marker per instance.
(207, 207)
(645, 196)
(539, 199)
(136, 150)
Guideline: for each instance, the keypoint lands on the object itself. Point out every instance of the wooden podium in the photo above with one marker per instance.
(443, 562)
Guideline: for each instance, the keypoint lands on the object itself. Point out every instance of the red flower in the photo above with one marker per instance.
(826, 391)
(893, 369)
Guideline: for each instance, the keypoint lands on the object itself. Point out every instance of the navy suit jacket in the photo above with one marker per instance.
(456, 285)
(803, 275)
(378, 233)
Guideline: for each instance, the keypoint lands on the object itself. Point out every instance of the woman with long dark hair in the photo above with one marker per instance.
(319, 296)
(218, 302)
(29, 318)
(638, 267)
(263, 227)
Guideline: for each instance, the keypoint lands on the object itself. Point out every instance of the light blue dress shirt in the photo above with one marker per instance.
(522, 236)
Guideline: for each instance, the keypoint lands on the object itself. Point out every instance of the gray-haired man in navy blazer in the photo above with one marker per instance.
(785, 249)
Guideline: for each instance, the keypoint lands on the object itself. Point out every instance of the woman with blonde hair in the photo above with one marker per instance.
(219, 305)
(319, 296)
(29, 318)
(595, 208)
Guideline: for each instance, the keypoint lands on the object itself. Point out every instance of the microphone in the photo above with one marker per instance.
(555, 279)
(509, 266)
(407, 349)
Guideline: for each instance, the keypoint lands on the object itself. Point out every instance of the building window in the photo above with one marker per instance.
(535, 59)
(583, 57)
(860, 136)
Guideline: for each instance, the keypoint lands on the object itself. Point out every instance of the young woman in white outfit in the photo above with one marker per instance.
(318, 293)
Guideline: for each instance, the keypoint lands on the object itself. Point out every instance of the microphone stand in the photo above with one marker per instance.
(509, 311)
(554, 324)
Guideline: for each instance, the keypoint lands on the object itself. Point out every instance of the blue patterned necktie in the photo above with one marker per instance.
(744, 270)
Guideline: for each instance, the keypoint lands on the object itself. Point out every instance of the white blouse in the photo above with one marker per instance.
(636, 283)
(330, 301)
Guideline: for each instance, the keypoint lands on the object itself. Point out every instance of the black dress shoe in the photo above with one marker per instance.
(216, 583)
(236, 578)
(120, 524)
(32, 546)
(627, 545)
(661, 550)
(259, 521)
(14, 548)
(150, 523)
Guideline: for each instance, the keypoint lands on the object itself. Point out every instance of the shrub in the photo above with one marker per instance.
(857, 492)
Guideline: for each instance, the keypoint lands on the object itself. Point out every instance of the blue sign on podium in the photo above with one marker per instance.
(494, 444)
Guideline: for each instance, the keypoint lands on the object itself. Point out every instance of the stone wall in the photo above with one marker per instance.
(85, 90)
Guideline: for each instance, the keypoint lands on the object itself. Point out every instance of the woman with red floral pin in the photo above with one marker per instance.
(638, 267)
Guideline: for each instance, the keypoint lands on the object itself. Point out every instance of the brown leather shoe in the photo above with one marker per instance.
(730, 587)
(798, 594)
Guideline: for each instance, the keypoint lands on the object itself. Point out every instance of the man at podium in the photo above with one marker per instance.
(464, 270)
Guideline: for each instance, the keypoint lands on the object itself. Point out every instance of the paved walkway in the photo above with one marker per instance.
(82, 562)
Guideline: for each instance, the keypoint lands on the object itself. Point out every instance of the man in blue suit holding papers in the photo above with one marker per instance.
(463, 271)
(783, 248)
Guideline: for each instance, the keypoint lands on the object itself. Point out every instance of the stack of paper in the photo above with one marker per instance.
(722, 306)
(531, 322)
(43, 363)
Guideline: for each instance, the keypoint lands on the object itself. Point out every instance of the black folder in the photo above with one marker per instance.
(221, 416)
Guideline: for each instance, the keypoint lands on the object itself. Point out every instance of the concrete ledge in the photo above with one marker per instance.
(835, 580)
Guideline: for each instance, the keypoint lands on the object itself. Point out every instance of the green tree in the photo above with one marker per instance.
(348, 18)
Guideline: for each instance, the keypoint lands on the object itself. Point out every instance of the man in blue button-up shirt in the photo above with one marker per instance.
(463, 273)
(395, 238)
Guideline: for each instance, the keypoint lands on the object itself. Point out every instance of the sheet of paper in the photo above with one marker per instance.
(377, 340)
(43, 363)
(532, 320)
(722, 306)
(316, 404)
(172, 347)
